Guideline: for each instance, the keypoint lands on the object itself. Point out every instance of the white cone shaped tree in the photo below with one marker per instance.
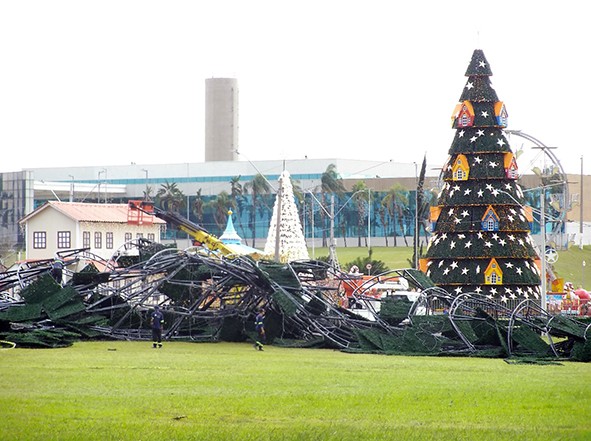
(285, 225)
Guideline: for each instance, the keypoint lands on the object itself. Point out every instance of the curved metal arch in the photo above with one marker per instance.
(561, 173)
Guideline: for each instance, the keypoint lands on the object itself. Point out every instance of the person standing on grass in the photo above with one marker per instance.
(259, 326)
(157, 320)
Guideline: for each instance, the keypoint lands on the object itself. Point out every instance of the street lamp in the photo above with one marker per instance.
(147, 196)
(71, 189)
(368, 219)
(416, 235)
(332, 215)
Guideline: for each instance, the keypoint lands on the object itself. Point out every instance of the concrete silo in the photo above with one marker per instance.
(221, 119)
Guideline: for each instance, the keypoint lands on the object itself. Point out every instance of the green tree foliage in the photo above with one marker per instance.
(396, 203)
(170, 197)
(258, 187)
(331, 184)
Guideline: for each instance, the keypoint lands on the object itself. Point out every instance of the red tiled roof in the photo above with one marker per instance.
(87, 212)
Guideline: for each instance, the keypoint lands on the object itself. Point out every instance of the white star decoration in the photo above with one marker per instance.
(481, 64)
(484, 114)
(500, 142)
(478, 159)
(469, 86)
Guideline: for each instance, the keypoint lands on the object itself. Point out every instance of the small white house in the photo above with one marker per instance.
(103, 228)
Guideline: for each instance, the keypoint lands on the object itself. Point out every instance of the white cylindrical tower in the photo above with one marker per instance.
(221, 119)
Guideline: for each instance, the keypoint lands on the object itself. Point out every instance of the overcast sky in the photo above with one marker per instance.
(114, 82)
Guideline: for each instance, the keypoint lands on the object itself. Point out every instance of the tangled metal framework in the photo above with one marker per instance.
(206, 296)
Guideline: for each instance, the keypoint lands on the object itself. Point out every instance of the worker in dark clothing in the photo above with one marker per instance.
(57, 270)
(157, 323)
(259, 326)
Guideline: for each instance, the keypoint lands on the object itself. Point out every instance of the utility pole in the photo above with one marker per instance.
(368, 219)
(582, 199)
(543, 231)
(278, 227)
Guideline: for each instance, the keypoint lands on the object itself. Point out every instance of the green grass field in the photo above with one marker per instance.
(208, 391)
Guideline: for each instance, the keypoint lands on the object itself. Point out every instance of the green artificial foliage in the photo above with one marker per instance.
(394, 310)
(22, 313)
(283, 300)
(43, 288)
(526, 341)
(581, 351)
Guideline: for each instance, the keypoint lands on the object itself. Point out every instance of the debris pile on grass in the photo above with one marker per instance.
(208, 297)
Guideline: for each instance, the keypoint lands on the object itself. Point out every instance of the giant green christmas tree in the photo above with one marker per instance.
(481, 240)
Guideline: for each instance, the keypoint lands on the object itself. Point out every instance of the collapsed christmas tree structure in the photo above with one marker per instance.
(481, 239)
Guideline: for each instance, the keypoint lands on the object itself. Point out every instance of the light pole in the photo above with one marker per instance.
(581, 208)
(71, 189)
(416, 235)
(99, 185)
(368, 219)
(147, 196)
(105, 170)
(332, 215)
(543, 231)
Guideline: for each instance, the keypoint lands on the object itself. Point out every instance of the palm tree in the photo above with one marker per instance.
(382, 213)
(257, 187)
(361, 198)
(220, 206)
(330, 183)
(148, 193)
(395, 200)
(198, 207)
(170, 197)
(298, 194)
(236, 194)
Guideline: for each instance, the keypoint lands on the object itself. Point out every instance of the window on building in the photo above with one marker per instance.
(86, 239)
(139, 235)
(128, 237)
(64, 239)
(109, 240)
(39, 239)
(98, 239)
(151, 237)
